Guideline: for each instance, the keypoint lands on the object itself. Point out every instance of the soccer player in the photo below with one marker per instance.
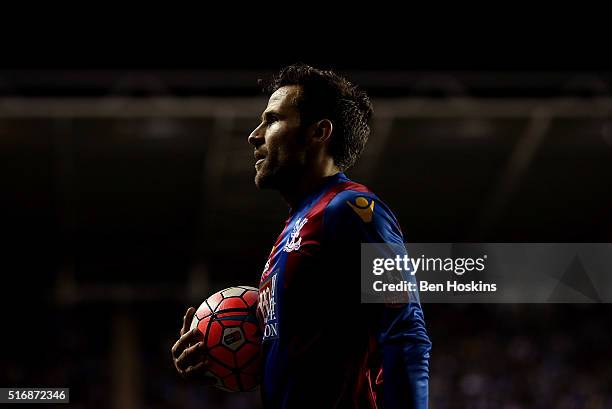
(322, 348)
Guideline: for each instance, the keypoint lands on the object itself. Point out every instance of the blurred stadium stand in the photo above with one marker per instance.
(129, 195)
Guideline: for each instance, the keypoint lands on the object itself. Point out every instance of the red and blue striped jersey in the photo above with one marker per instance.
(322, 348)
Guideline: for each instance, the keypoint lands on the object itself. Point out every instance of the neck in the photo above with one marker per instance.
(301, 187)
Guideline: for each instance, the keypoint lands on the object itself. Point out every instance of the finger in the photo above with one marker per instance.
(194, 360)
(184, 341)
(191, 356)
(198, 371)
(187, 320)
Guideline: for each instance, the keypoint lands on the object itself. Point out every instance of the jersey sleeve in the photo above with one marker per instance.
(350, 219)
(360, 217)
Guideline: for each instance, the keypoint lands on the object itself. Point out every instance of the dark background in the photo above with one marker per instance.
(128, 195)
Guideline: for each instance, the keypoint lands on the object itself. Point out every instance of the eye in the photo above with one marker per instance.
(270, 119)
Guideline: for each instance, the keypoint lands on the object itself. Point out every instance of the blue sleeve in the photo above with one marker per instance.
(400, 329)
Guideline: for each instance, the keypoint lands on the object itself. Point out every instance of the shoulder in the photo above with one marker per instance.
(356, 208)
(358, 201)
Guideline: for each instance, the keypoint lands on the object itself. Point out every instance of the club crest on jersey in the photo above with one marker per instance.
(364, 208)
(295, 239)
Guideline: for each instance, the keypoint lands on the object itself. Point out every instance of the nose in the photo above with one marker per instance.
(256, 138)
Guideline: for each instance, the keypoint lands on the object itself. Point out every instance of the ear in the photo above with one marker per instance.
(323, 130)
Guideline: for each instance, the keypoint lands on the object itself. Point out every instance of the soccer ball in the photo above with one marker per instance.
(228, 322)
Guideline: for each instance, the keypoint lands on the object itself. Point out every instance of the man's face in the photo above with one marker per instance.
(280, 151)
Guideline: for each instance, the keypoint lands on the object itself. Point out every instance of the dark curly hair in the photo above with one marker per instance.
(326, 95)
